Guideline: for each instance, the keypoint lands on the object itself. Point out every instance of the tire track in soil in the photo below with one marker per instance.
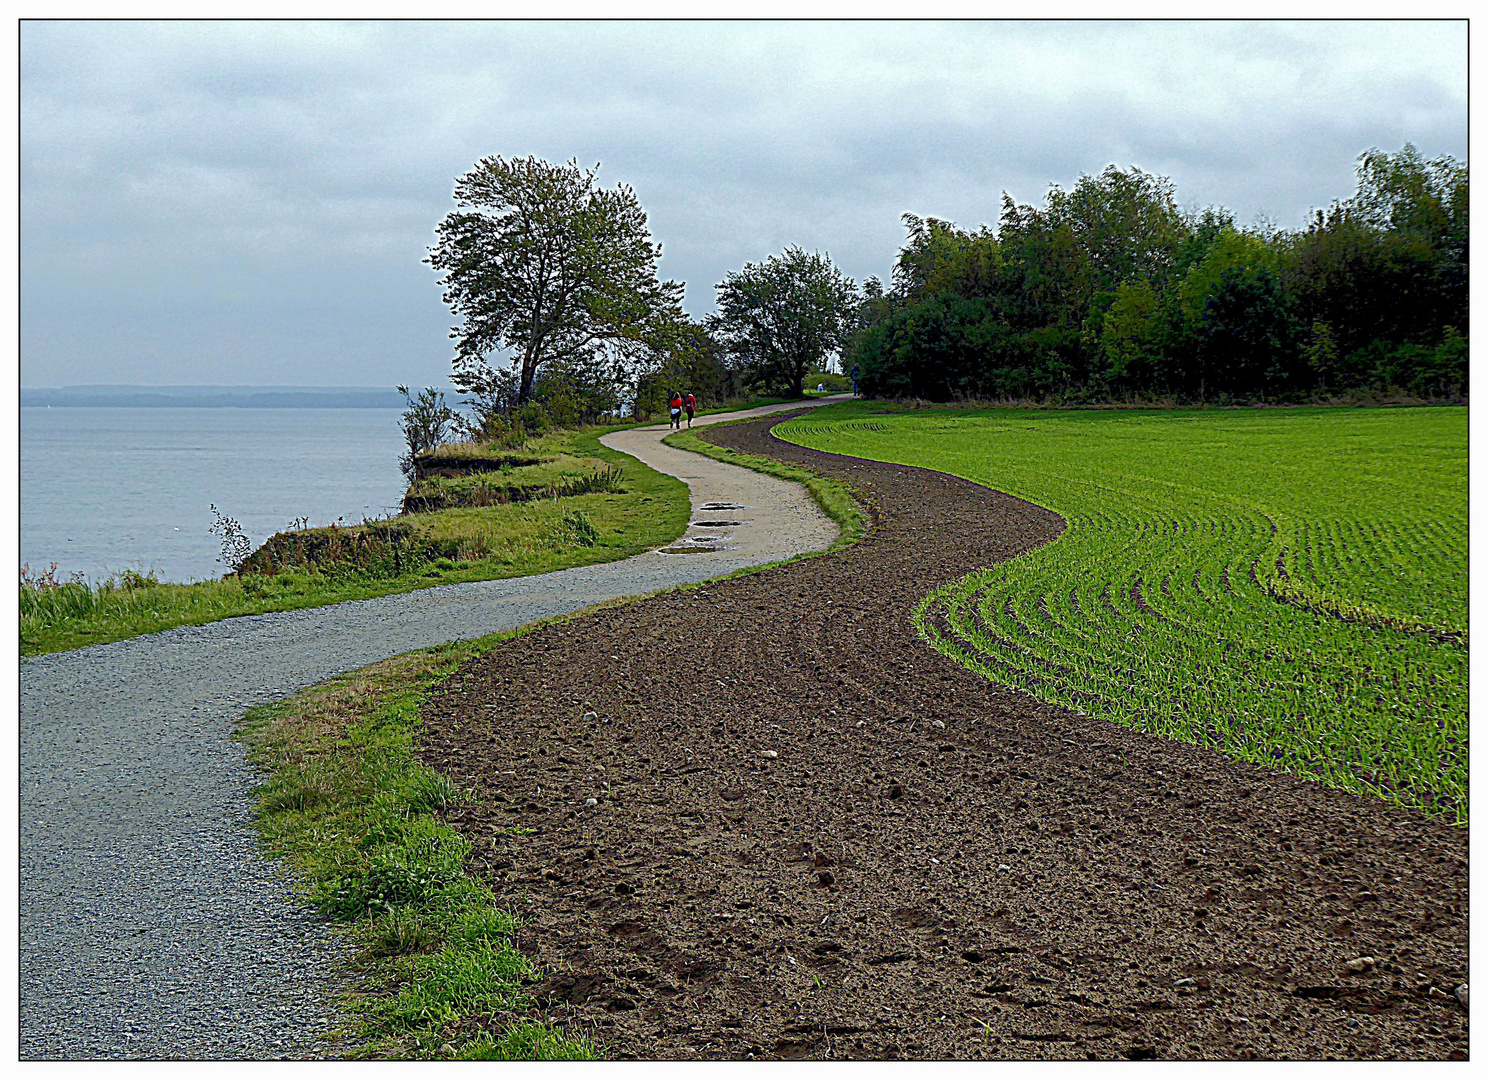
(1021, 882)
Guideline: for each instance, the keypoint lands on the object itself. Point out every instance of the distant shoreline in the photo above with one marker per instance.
(212, 397)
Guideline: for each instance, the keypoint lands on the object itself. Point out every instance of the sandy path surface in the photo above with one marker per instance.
(150, 926)
(747, 514)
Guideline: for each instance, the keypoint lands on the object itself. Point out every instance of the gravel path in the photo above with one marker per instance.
(150, 925)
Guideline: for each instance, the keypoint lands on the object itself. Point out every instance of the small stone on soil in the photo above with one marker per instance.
(1360, 964)
(771, 754)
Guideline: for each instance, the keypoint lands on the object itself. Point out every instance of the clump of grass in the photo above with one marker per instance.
(528, 1042)
(346, 801)
(578, 529)
(377, 550)
(401, 932)
(436, 493)
(609, 478)
(47, 600)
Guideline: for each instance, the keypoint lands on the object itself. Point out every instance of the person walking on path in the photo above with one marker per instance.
(676, 408)
(691, 406)
(855, 380)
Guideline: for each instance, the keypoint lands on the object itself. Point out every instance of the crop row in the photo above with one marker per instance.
(1224, 580)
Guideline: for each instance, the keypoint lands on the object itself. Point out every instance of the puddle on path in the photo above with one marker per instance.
(691, 545)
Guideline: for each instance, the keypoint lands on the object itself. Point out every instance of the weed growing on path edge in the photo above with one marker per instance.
(348, 805)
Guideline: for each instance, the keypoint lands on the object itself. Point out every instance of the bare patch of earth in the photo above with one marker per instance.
(813, 836)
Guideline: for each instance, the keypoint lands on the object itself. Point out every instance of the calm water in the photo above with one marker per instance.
(106, 489)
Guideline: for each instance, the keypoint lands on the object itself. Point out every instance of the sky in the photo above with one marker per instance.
(250, 203)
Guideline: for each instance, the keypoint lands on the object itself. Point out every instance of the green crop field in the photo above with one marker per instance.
(1286, 586)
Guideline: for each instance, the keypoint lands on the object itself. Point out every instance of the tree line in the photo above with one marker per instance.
(1106, 291)
(1109, 290)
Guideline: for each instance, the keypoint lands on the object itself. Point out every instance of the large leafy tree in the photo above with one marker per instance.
(785, 315)
(540, 261)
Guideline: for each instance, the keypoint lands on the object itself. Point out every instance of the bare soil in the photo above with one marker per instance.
(814, 836)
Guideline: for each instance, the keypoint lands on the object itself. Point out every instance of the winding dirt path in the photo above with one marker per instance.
(814, 836)
(752, 517)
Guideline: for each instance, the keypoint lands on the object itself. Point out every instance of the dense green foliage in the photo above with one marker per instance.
(782, 317)
(1110, 291)
(695, 363)
(348, 804)
(1287, 586)
(607, 506)
(540, 260)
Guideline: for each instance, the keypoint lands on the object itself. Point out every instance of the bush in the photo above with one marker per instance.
(578, 529)
(236, 546)
(426, 422)
(534, 419)
(835, 384)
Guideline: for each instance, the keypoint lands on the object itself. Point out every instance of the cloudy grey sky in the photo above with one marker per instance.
(249, 203)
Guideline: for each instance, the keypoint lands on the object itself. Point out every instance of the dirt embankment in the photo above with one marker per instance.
(814, 836)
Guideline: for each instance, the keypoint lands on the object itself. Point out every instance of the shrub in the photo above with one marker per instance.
(236, 546)
(426, 422)
(578, 529)
(534, 419)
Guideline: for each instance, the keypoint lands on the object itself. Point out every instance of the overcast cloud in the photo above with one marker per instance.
(249, 203)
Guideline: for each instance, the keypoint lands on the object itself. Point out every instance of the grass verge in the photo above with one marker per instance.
(504, 541)
(347, 804)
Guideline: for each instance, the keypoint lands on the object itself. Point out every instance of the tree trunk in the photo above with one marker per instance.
(529, 373)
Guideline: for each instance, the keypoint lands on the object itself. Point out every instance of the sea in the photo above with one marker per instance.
(109, 489)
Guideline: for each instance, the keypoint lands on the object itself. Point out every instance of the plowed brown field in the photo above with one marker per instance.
(814, 836)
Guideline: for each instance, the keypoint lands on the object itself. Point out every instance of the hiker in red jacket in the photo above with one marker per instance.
(691, 406)
(676, 407)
